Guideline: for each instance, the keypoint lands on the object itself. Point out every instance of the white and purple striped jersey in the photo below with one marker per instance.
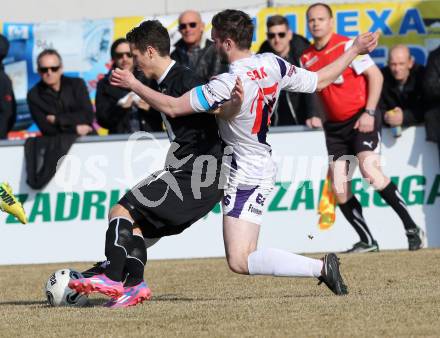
(263, 77)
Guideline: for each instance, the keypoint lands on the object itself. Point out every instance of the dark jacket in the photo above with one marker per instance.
(71, 106)
(293, 108)
(8, 106)
(409, 99)
(42, 155)
(431, 80)
(118, 120)
(431, 88)
(206, 65)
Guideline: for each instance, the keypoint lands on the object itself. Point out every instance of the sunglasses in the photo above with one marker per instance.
(281, 35)
(121, 55)
(183, 26)
(45, 70)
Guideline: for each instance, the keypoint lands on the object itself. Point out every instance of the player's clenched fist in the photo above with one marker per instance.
(122, 78)
(366, 43)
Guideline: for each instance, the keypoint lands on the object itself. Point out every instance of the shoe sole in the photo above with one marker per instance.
(363, 250)
(423, 241)
(139, 300)
(336, 275)
(87, 288)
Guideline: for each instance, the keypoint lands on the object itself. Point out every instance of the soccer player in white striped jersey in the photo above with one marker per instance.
(252, 170)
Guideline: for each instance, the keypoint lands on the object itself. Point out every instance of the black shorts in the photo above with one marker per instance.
(166, 203)
(342, 139)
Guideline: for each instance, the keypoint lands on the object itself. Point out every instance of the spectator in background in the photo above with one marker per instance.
(431, 83)
(292, 108)
(402, 93)
(8, 107)
(118, 109)
(194, 50)
(59, 104)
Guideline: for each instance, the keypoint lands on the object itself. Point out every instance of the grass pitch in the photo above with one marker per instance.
(392, 294)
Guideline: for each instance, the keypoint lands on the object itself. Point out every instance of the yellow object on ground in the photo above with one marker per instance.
(10, 204)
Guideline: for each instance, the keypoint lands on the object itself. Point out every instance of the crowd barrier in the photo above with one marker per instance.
(67, 219)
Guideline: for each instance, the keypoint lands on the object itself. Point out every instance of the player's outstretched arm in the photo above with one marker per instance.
(363, 44)
(232, 107)
(171, 106)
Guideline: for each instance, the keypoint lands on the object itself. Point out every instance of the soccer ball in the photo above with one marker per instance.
(58, 292)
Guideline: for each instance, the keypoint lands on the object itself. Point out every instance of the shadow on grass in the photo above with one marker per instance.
(177, 298)
(99, 302)
(24, 302)
(91, 303)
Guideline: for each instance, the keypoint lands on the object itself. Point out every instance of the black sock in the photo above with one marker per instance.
(97, 269)
(392, 196)
(352, 211)
(135, 264)
(118, 243)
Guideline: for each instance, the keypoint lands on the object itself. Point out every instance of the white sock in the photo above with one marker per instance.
(282, 263)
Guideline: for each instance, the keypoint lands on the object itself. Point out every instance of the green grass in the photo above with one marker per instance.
(392, 294)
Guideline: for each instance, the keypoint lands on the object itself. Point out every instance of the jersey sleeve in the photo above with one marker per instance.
(296, 79)
(213, 94)
(362, 62)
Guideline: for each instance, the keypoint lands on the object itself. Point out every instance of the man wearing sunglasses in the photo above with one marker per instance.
(59, 104)
(194, 50)
(292, 108)
(118, 109)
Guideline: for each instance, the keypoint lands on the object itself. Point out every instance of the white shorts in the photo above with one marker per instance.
(246, 202)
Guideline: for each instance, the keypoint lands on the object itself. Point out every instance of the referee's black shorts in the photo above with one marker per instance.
(167, 202)
(342, 139)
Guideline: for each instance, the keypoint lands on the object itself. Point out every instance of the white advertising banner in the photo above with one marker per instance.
(67, 219)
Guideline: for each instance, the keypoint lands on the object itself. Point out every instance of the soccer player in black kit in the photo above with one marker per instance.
(169, 200)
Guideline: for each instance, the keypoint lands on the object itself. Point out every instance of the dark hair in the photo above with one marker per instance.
(276, 20)
(327, 7)
(150, 33)
(235, 25)
(48, 52)
(115, 45)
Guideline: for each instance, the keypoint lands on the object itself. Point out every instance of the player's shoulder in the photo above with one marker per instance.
(279, 67)
(268, 57)
(182, 78)
(223, 78)
(184, 72)
(273, 61)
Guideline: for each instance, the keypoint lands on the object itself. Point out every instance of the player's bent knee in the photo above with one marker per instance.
(137, 252)
(118, 211)
(371, 179)
(343, 197)
(238, 264)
